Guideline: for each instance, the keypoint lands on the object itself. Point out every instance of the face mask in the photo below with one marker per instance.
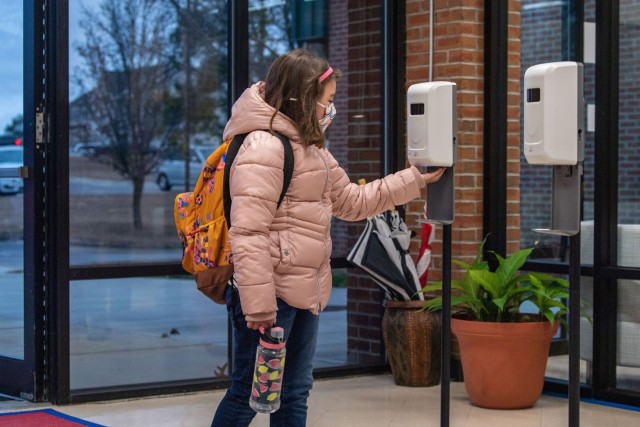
(329, 115)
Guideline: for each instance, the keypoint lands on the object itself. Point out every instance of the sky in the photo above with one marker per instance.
(11, 36)
(11, 55)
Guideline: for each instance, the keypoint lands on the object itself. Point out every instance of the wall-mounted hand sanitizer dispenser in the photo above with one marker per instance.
(554, 113)
(432, 124)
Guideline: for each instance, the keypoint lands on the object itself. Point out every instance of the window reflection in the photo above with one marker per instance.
(144, 330)
(628, 321)
(125, 319)
(543, 26)
(146, 104)
(629, 125)
(542, 29)
(11, 186)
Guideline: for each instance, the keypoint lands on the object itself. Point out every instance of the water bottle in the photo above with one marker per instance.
(268, 370)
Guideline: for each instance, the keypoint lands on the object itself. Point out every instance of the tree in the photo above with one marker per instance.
(198, 108)
(269, 27)
(126, 75)
(16, 126)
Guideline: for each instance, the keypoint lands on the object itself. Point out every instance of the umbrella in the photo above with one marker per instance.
(424, 255)
(383, 252)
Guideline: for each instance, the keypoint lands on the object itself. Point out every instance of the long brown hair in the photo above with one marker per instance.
(292, 87)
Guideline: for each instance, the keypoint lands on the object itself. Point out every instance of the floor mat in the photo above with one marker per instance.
(42, 418)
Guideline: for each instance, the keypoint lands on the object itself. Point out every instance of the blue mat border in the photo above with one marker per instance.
(597, 402)
(57, 414)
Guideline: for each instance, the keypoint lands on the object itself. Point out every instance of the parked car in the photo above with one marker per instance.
(11, 157)
(10, 140)
(171, 170)
(90, 149)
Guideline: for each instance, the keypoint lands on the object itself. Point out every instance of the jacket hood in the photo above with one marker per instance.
(251, 112)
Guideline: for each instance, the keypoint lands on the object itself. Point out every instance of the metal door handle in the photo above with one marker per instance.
(21, 172)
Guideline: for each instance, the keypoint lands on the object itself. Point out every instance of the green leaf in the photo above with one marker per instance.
(551, 317)
(478, 262)
(508, 267)
(434, 304)
(544, 277)
(467, 286)
(461, 264)
(497, 296)
(433, 287)
(500, 302)
(489, 281)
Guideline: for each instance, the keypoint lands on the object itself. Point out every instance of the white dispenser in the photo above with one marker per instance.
(432, 124)
(432, 129)
(553, 135)
(554, 113)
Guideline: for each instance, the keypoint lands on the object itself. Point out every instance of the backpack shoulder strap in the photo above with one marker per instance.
(232, 151)
(288, 165)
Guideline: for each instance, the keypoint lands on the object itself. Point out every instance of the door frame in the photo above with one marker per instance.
(25, 378)
(57, 203)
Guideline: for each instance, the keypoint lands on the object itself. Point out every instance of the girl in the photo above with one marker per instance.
(281, 256)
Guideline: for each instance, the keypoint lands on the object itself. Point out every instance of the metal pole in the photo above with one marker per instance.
(445, 369)
(574, 331)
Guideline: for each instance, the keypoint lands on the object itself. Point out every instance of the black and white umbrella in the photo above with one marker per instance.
(383, 252)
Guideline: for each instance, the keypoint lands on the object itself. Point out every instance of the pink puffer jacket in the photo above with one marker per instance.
(285, 252)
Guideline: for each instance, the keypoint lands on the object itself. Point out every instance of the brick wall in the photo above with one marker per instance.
(629, 114)
(337, 134)
(459, 57)
(514, 92)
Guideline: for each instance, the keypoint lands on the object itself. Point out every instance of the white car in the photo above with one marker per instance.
(89, 149)
(11, 157)
(171, 171)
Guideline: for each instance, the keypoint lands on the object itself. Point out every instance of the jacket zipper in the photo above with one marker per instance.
(326, 166)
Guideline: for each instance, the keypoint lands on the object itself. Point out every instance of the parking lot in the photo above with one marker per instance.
(100, 210)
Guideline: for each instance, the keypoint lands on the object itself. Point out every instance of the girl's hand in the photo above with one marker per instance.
(266, 324)
(431, 177)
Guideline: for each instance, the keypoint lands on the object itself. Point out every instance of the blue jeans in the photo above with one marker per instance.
(301, 333)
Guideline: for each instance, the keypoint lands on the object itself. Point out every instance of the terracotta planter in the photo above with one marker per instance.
(503, 363)
(412, 340)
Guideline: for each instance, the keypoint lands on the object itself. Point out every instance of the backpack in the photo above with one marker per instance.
(202, 218)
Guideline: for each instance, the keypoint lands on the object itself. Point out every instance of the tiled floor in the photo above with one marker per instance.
(368, 401)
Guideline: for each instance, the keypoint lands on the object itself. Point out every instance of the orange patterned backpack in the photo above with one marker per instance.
(202, 218)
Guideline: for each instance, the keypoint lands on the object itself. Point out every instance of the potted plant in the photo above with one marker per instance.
(503, 350)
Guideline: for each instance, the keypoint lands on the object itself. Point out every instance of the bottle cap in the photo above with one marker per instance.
(277, 332)
(273, 337)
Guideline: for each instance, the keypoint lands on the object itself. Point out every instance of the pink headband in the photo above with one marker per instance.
(326, 74)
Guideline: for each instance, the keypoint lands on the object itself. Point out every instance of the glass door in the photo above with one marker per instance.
(21, 337)
(12, 310)
(11, 243)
